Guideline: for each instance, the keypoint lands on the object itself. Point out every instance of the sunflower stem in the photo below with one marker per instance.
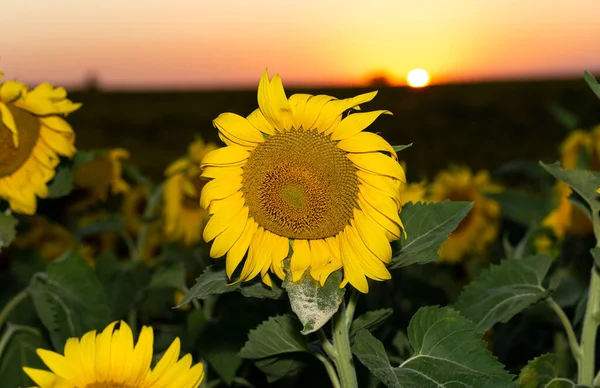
(149, 213)
(10, 306)
(10, 331)
(341, 343)
(335, 381)
(573, 343)
(591, 319)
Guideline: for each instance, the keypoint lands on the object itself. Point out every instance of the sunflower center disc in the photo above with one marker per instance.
(298, 184)
(28, 128)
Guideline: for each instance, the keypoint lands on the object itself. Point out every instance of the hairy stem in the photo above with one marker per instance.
(10, 306)
(573, 343)
(341, 343)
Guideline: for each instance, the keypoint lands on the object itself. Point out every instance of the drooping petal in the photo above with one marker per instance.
(226, 156)
(300, 260)
(238, 129)
(378, 163)
(238, 250)
(366, 142)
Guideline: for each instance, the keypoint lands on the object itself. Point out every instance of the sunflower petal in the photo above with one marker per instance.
(238, 129)
(366, 142)
(226, 156)
(378, 163)
(332, 111)
(273, 103)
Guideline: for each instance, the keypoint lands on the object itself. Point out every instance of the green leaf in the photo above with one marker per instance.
(8, 230)
(312, 303)
(83, 157)
(122, 282)
(274, 336)
(504, 290)
(215, 282)
(427, 227)
(564, 117)
(169, 277)
(591, 81)
(543, 372)
(521, 207)
(583, 182)
(62, 184)
(20, 352)
(369, 321)
(399, 148)
(69, 299)
(448, 351)
(595, 251)
(110, 223)
(276, 368)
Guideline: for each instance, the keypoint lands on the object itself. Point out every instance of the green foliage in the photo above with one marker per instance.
(20, 352)
(522, 207)
(427, 227)
(110, 223)
(7, 230)
(215, 282)
(315, 304)
(277, 368)
(275, 336)
(504, 290)
(591, 81)
(62, 184)
(542, 372)
(172, 276)
(583, 182)
(448, 351)
(399, 148)
(69, 299)
(370, 320)
(565, 117)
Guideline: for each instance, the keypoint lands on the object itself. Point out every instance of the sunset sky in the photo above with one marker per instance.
(228, 43)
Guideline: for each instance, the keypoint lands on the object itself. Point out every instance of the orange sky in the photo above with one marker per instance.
(228, 43)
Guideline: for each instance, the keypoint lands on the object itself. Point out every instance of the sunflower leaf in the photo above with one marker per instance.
(274, 336)
(8, 231)
(591, 81)
(276, 368)
(62, 184)
(369, 321)
(169, 277)
(447, 351)
(314, 304)
(19, 352)
(399, 148)
(504, 290)
(521, 207)
(69, 299)
(542, 371)
(427, 226)
(215, 282)
(583, 182)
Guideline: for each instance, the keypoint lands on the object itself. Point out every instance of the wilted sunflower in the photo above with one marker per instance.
(110, 360)
(32, 136)
(184, 218)
(101, 175)
(581, 149)
(480, 227)
(294, 174)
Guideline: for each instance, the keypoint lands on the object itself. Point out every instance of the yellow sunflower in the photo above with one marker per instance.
(32, 136)
(294, 174)
(101, 175)
(480, 227)
(184, 218)
(110, 360)
(566, 219)
(581, 149)
(50, 239)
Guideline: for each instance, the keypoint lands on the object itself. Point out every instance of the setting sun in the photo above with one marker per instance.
(417, 78)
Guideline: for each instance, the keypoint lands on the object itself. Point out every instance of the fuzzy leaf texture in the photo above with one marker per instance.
(8, 231)
(448, 352)
(369, 321)
(504, 290)
(69, 299)
(312, 303)
(542, 372)
(215, 281)
(427, 227)
(583, 182)
(275, 336)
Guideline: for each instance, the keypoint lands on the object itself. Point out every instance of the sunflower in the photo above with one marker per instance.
(184, 218)
(110, 360)
(101, 175)
(294, 174)
(581, 149)
(480, 227)
(566, 219)
(50, 239)
(32, 136)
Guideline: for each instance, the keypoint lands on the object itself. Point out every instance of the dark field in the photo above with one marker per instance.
(482, 125)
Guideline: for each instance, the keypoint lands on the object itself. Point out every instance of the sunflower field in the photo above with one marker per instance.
(288, 249)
